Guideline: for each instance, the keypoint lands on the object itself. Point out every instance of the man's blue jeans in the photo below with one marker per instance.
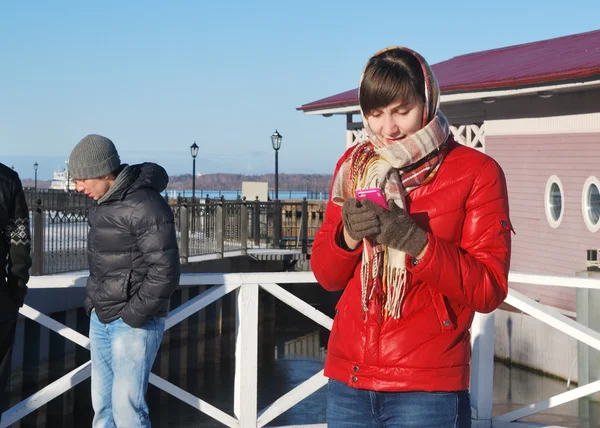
(357, 408)
(122, 357)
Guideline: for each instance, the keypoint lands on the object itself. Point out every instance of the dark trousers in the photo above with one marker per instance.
(7, 338)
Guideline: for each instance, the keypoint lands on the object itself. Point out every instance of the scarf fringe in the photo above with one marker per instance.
(383, 278)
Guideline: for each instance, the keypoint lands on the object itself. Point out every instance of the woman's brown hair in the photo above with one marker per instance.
(390, 77)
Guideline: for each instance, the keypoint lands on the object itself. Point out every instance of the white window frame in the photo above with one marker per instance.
(551, 221)
(591, 180)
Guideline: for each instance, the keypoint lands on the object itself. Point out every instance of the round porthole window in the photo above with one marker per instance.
(590, 204)
(555, 204)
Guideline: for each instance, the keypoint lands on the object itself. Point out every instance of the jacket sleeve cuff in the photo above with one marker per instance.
(424, 261)
(334, 239)
(88, 306)
(132, 320)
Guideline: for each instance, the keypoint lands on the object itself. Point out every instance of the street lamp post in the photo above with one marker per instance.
(276, 141)
(194, 152)
(68, 175)
(35, 168)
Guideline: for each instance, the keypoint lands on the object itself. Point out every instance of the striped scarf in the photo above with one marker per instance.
(397, 169)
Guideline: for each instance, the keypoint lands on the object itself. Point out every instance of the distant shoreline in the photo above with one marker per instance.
(232, 182)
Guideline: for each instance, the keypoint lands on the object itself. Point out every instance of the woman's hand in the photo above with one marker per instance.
(398, 229)
(359, 222)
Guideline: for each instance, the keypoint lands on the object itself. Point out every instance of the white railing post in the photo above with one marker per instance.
(246, 356)
(482, 368)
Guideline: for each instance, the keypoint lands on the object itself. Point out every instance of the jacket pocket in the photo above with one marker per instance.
(115, 288)
(335, 344)
(441, 309)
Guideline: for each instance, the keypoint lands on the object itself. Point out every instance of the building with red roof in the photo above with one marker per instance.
(535, 108)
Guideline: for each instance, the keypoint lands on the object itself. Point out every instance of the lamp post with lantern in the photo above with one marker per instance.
(276, 142)
(194, 152)
(35, 168)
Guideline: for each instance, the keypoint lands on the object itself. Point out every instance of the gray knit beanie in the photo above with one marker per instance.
(93, 157)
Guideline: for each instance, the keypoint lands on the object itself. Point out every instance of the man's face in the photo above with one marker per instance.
(94, 188)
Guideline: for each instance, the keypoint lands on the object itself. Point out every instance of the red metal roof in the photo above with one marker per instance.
(548, 61)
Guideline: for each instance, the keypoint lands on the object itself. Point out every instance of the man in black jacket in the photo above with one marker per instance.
(134, 269)
(15, 245)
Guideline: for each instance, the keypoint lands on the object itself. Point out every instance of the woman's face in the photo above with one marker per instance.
(396, 121)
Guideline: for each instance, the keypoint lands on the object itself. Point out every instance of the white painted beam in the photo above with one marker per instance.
(482, 366)
(193, 401)
(554, 280)
(551, 402)
(553, 318)
(292, 398)
(198, 303)
(246, 356)
(44, 395)
(299, 304)
(54, 325)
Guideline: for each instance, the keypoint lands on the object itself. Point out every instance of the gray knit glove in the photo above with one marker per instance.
(359, 220)
(398, 229)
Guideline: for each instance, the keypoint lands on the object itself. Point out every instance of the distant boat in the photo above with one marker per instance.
(62, 181)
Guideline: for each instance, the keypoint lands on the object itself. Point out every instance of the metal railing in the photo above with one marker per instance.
(209, 227)
(56, 198)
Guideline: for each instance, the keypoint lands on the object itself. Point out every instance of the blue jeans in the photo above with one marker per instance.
(122, 357)
(357, 408)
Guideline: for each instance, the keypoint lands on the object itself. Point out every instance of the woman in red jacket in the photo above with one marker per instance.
(414, 272)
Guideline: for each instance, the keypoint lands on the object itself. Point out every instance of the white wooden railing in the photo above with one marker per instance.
(553, 318)
(246, 286)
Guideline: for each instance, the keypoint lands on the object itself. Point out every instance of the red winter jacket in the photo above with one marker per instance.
(465, 269)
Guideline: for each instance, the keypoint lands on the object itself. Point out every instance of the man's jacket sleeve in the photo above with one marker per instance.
(156, 239)
(18, 232)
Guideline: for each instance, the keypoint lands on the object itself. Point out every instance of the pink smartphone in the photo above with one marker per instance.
(374, 194)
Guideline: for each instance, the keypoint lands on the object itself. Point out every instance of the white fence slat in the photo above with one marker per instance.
(554, 280)
(299, 304)
(46, 394)
(482, 365)
(79, 279)
(193, 401)
(246, 278)
(501, 424)
(553, 318)
(292, 398)
(246, 356)
(198, 303)
(305, 426)
(54, 325)
(557, 400)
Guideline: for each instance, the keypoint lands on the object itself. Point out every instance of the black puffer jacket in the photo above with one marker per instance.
(15, 243)
(133, 254)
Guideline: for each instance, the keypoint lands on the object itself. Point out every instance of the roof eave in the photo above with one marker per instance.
(459, 95)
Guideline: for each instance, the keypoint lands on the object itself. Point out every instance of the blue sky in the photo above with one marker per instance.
(156, 76)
